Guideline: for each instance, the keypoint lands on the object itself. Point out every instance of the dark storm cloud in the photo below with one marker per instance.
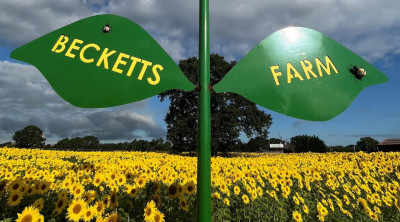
(236, 26)
(26, 99)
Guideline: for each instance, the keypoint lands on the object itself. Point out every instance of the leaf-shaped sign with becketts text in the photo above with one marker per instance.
(103, 61)
(301, 73)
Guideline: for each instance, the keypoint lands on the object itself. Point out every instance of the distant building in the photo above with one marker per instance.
(276, 148)
(389, 145)
(279, 148)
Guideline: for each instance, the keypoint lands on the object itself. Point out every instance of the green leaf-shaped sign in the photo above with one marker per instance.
(301, 73)
(102, 61)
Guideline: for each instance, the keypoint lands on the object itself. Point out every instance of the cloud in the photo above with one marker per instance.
(124, 124)
(26, 20)
(27, 98)
(235, 26)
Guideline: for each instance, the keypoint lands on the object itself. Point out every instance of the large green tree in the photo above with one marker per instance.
(305, 143)
(29, 137)
(231, 114)
(367, 144)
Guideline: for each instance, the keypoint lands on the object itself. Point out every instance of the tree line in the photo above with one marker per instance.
(32, 137)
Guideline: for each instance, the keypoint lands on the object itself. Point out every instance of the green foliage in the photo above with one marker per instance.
(87, 142)
(29, 137)
(275, 141)
(257, 144)
(92, 143)
(367, 144)
(348, 148)
(231, 114)
(153, 145)
(306, 143)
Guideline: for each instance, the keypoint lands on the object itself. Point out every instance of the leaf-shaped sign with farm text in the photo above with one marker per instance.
(102, 61)
(301, 73)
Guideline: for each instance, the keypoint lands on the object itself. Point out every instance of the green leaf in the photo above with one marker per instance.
(102, 61)
(301, 73)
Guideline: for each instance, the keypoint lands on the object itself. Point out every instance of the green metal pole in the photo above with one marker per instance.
(204, 136)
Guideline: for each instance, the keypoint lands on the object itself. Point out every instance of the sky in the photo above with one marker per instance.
(370, 28)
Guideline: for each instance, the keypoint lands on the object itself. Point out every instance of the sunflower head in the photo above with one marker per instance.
(149, 211)
(113, 217)
(76, 210)
(15, 198)
(297, 216)
(183, 204)
(30, 214)
(173, 191)
(159, 217)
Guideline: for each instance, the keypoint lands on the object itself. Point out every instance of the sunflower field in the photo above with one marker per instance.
(42, 185)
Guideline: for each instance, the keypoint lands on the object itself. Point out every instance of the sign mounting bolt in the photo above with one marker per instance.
(107, 28)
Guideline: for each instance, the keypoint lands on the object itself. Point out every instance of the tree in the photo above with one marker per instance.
(275, 141)
(306, 143)
(257, 144)
(87, 142)
(62, 144)
(367, 144)
(30, 136)
(231, 114)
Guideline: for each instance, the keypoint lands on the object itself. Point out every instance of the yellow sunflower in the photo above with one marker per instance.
(305, 209)
(38, 204)
(30, 190)
(131, 190)
(16, 185)
(173, 191)
(89, 213)
(29, 214)
(15, 198)
(373, 216)
(78, 190)
(226, 201)
(141, 182)
(183, 204)
(297, 216)
(99, 208)
(245, 198)
(76, 210)
(296, 200)
(62, 194)
(43, 187)
(97, 180)
(121, 179)
(113, 217)
(149, 211)
(87, 197)
(113, 200)
(217, 195)
(106, 200)
(236, 190)
(60, 205)
(159, 217)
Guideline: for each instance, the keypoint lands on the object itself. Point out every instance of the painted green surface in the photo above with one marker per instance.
(137, 66)
(204, 134)
(272, 75)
